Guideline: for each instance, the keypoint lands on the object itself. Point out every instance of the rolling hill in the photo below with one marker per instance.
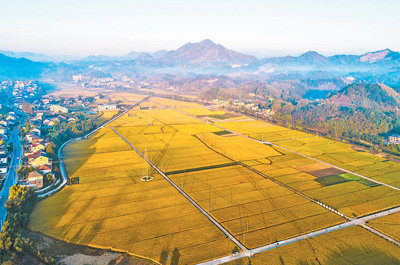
(21, 68)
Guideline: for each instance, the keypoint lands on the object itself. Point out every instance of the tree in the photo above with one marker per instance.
(47, 180)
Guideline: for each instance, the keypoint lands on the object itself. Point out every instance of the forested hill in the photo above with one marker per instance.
(14, 68)
(375, 96)
(359, 112)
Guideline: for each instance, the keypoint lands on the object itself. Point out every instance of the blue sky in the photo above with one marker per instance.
(116, 27)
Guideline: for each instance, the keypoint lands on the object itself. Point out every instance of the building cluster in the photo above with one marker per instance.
(7, 123)
(245, 106)
(25, 99)
(36, 156)
(106, 107)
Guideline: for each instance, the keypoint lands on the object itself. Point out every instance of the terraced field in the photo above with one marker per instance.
(259, 193)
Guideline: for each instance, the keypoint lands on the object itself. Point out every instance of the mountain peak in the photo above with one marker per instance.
(312, 53)
(207, 41)
(373, 57)
(206, 51)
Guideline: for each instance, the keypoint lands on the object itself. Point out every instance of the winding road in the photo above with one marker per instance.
(11, 178)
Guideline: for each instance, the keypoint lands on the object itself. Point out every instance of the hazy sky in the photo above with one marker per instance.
(260, 27)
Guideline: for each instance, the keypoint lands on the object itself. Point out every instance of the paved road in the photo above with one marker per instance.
(63, 171)
(209, 217)
(11, 177)
(359, 221)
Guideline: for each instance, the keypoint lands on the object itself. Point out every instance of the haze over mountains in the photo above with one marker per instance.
(207, 57)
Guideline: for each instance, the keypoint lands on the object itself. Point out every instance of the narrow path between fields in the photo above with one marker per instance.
(358, 221)
(205, 213)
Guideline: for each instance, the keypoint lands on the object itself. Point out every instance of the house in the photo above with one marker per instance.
(46, 122)
(53, 121)
(3, 150)
(37, 146)
(3, 123)
(29, 136)
(36, 140)
(3, 159)
(10, 118)
(33, 138)
(45, 169)
(36, 179)
(3, 169)
(394, 139)
(2, 129)
(58, 109)
(39, 159)
(107, 107)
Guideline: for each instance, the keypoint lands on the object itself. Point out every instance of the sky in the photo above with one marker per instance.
(258, 27)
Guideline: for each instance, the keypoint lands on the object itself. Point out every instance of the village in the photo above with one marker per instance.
(34, 116)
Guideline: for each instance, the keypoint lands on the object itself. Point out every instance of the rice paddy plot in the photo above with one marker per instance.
(113, 209)
(388, 225)
(352, 245)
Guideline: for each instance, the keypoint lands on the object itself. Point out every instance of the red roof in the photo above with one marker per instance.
(44, 167)
(35, 144)
(34, 155)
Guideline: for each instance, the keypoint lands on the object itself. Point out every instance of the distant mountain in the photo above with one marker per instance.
(12, 68)
(205, 51)
(97, 58)
(158, 54)
(133, 55)
(373, 57)
(36, 57)
(314, 58)
(375, 96)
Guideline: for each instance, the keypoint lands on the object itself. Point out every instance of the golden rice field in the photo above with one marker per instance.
(352, 245)
(105, 116)
(113, 208)
(254, 209)
(330, 151)
(201, 111)
(243, 184)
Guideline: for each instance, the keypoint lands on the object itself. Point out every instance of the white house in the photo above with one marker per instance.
(394, 139)
(107, 107)
(3, 159)
(58, 109)
(3, 168)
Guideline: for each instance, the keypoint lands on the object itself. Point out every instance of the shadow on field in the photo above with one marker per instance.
(77, 153)
(352, 255)
(164, 257)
